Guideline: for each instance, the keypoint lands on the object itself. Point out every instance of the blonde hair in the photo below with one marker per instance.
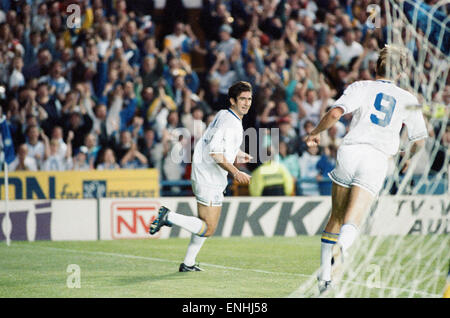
(389, 54)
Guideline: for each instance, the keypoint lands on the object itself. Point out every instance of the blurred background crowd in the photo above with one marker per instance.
(110, 88)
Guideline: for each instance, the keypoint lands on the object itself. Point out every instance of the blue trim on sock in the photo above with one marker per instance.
(327, 241)
(202, 234)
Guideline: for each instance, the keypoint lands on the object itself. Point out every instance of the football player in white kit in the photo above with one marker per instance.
(379, 110)
(214, 157)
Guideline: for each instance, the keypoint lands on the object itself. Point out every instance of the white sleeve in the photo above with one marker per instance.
(351, 98)
(415, 123)
(222, 140)
(217, 143)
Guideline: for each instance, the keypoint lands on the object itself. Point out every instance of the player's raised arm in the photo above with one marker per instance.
(327, 121)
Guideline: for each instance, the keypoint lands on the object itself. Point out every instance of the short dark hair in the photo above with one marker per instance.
(237, 88)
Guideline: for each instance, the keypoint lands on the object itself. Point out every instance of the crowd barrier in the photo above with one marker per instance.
(129, 218)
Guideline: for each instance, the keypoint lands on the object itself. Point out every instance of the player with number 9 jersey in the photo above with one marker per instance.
(379, 109)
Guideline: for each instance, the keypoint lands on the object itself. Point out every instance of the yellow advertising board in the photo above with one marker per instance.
(143, 183)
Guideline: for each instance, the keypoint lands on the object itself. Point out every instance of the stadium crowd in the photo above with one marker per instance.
(111, 89)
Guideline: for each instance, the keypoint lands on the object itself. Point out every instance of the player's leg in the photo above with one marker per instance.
(210, 215)
(358, 205)
(368, 180)
(339, 198)
(166, 217)
(359, 202)
(192, 224)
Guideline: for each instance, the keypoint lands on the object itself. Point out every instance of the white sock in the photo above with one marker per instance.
(326, 247)
(325, 261)
(193, 249)
(189, 223)
(348, 234)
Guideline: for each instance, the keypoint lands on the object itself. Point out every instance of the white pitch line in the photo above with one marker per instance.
(162, 260)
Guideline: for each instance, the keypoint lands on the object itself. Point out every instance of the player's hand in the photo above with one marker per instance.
(312, 140)
(242, 177)
(244, 158)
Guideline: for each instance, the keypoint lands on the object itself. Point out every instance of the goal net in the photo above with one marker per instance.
(404, 246)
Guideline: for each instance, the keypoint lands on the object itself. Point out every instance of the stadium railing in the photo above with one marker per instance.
(434, 186)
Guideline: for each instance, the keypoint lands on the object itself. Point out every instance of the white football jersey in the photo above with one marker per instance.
(223, 135)
(379, 110)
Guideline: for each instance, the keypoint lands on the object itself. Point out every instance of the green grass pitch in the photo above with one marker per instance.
(234, 267)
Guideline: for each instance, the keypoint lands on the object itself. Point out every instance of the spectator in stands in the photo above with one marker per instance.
(92, 147)
(308, 170)
(16, 79)
(151, 70)
(133, 159)
(289, 160)
(348, 48)
(124, 144)
(227, 42)
(121, 72)
(213, 97)
(57, 83)
(288, 134)
(174, 154)
(222, 73)
(136, 127)
(312, 108)
(58, 134)
(38, 66)
(151, 149)
(326, 164)
(192, 118)
(129, 105)
(78, 121)
(100, 125)
(53, 159)
(51, 105)
(108, 161)
(35, 148)
(80, 162)
(179, 91)
(214, 16)
(41, 20)
(32, 44)
(178, 67)
(23, 162)
(180, 43)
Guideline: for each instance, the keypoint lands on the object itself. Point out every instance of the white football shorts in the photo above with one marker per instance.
(360, 165)
(207, 195)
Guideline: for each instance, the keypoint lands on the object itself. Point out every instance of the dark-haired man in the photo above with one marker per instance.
(213, 159)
